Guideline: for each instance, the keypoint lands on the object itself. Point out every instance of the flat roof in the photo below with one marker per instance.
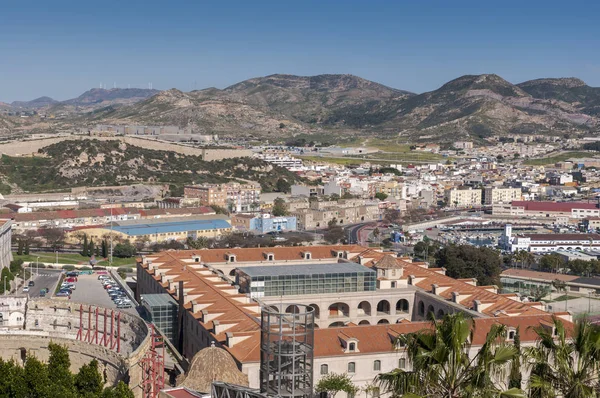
(174, 226)
(305, 269)
(158, 299)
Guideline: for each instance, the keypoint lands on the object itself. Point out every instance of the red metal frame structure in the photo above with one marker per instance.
(153, 366)
(91, 330)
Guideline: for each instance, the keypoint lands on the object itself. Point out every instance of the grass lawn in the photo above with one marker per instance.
(71, 258)
(327, 159)
(558, 158)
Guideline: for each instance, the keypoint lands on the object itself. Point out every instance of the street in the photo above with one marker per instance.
(47, 278)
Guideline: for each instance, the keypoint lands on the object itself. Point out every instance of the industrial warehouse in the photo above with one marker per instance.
(339, 325)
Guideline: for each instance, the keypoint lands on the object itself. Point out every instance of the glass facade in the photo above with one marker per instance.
(299, 280)
(161, 310)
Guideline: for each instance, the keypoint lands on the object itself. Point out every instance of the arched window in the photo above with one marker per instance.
(324, 369)
(402, 363)
(351, 367)
(421, 308)
(352, 347)
(377, 365)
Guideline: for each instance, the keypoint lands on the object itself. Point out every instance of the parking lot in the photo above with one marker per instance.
(89, 290)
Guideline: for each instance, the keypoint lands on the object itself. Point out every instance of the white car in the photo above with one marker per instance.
(25, 289)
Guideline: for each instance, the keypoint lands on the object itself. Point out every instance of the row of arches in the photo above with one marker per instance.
(363, 322)
(430, 310)
(339, 309)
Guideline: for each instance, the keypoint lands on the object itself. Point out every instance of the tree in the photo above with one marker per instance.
(442, 367)
(466, 261)
(84, 249)
(562, 365)
(332, 223)
(104, 249)
(59, 365)
(551, 262)
(376, 233)
(199, 243)
(516, 379)
(91, 247)
(36, 377)
(334, 234)
(55, 237)
(26, 250)
(283, 185)
(392, 216)
(20, 248)
(120, 391)
(89, 380)
(381, 196)
(279, 208)
(332, 383)
(124, 250)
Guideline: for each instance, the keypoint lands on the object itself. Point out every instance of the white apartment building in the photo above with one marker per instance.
(463, 197)
(493, 195)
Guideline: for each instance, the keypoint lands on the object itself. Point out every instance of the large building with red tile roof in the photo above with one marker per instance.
(354, 330)
(93, 217)
(547, 210)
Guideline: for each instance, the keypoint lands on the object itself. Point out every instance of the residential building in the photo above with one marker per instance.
(463, 197)
(233, 196)
(492, 195)
(5, 243)
(12, 311)
(266, 223)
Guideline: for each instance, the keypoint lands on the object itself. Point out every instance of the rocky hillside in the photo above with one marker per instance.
(278, 106)
(37, 103)
(107, 163)
(571, 90)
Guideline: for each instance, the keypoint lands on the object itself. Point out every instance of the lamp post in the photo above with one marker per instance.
(5, 285)
(56, 253)
(37, 265)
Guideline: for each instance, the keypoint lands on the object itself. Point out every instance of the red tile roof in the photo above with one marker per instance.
(553, 206)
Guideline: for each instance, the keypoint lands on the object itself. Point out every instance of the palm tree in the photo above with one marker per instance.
(442, 366)
(565, 366)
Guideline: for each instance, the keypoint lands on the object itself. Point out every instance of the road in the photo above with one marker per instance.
(358, 233)
(47, 278)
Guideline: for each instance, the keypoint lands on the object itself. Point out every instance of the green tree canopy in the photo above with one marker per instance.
(332, 383)
(279, 208)
(467, 261)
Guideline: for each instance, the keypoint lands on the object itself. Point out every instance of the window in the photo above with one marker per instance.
(351, 367)
(324, 369)
(377, 365)
(511, 335)
(402, 363)
(393, 285)
(352, 347)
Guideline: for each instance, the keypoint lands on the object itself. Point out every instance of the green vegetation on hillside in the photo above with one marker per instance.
(558, 158)
(96, 163)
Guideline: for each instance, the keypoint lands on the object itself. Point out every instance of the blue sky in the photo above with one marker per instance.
(62, 48)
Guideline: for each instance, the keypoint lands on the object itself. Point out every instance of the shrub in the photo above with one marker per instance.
(68, 267)
(85, 268)
(41, 265)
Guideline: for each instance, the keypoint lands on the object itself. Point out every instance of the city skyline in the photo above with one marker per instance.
(74, 47)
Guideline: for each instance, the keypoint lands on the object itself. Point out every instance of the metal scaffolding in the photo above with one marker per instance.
(108, 338)
(287, 342)
(153, 366)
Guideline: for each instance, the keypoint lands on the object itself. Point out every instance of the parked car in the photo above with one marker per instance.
(31, 283)
(63, 293)
(101, 277)
(42, 293)
(25, 289)
(124, 305)
(72, 280)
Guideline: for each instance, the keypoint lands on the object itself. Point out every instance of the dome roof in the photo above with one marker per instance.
(387, 262)
(212, 364)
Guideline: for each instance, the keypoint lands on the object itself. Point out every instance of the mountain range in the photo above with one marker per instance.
(279, 106)
(90, 99)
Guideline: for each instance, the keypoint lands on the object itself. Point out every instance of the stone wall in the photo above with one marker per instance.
(48, 320)
(29, 147)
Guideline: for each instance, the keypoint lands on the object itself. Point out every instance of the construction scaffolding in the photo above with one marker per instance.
(153, 365)
(95, 331)
(287, 343)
